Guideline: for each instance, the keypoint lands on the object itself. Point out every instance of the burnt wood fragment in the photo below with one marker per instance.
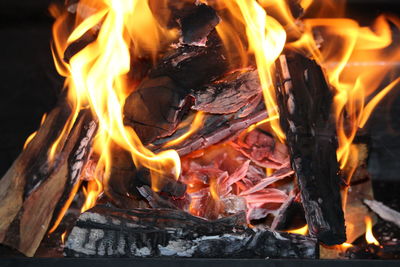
(305, 106)
(155, 108)
(229, 94)
(109, 232)
(34, 188)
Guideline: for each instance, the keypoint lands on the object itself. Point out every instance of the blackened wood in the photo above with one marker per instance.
(196, 25)
(216, 128)
(305, 106)
(125, 178)
(107, 232)
(229, 94)
(156, 107)
(33, 186)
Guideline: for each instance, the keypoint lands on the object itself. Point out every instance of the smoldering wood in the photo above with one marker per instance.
(305, 107)
(229, 94)
(109, 232)
(34, 185)
(216, 128)
(384, 211)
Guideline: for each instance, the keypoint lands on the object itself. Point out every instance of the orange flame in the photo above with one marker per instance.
(369, 236)
(301, 231)
(96, 76)
(195, 125)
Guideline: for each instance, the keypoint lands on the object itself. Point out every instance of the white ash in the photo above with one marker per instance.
(94, 217)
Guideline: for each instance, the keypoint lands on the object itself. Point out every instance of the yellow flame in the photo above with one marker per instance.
(29, 139)
(266, 38)
(195, 125)
(369, 236)
(301, 231)
(96, 77)
(32, 135)
(63, 237)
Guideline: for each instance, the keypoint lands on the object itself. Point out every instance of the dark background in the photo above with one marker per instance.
(29, 84)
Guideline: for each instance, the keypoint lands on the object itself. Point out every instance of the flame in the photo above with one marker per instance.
(32, 135)
(63, 237)
(195, 125)
(301, 231)
(369, 236)
(346, 245)
(346, 55)
(93, 190)
(96, 77)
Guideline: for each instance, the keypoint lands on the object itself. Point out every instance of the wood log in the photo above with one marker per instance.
(33, 187)
(229, 94)
(384, 211)
(305, 107)
(109, 232)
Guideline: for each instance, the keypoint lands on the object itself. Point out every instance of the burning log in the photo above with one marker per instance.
(35, 188)
(304, 100)
(110, 232)
(156, 107)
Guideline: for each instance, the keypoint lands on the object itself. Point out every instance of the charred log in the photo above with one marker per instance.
(109, 232)
(216, 128)
(34, 188)
(229, 94)
(305, 101)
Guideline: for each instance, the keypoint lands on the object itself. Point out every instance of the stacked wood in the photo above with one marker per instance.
(34, 189)
(109, 232)
(305, 106)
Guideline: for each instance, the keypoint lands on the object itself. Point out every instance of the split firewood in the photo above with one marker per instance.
(384, 211)
(35, 187)
(109, 232)
(305, 107)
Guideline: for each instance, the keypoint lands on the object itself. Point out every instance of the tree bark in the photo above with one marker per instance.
(305, 106)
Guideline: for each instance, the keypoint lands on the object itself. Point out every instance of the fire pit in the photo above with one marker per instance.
(206, 129)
